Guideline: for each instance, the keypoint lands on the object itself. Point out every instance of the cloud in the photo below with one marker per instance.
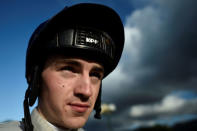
(170, 104)
(166, 44)
(159, 53)
(159, 58)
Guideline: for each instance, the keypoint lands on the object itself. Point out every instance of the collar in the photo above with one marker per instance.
(41, 124)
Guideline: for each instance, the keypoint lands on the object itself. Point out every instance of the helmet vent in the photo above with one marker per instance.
(96, 40)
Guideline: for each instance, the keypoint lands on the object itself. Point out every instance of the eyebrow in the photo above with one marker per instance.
(76, 63)
(71, 62)
(98, 69)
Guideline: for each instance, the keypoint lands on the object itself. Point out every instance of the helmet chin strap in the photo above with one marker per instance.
(30, 98)
(97, 106)
(27, 118)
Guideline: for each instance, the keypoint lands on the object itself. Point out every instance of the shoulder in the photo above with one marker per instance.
(11, 126)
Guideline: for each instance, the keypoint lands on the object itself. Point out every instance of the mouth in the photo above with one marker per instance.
(79, 107)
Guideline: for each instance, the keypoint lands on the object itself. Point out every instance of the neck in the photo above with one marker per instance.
(56, 128)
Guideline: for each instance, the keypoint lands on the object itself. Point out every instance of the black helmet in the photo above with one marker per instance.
(91, 31)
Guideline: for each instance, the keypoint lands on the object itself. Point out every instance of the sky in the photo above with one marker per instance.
(155, 81)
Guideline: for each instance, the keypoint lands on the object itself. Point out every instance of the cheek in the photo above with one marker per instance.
(52, 88)
(52, 81)
(55, 88)
(58, 88)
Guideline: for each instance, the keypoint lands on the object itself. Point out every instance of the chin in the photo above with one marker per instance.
(74, 123)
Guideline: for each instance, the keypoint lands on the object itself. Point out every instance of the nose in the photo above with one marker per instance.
(83, 88)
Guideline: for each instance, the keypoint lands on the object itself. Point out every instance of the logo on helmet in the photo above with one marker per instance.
(91, 40)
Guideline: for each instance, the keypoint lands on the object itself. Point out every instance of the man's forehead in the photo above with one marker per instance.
(61, 59)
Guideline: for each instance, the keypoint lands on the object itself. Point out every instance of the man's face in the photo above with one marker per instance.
(70, 87)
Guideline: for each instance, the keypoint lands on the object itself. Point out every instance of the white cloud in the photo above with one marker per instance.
(133, 38)
(169, 104)
(131, 51)
(115, 79)
(146, 20)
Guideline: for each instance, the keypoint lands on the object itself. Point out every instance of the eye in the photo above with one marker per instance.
(98, 75)
(68, 68)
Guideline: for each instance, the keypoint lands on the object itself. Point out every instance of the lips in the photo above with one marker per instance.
(79, 107)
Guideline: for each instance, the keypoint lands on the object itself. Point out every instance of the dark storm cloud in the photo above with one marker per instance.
(159, 56)
(166, 58)
(171, 49)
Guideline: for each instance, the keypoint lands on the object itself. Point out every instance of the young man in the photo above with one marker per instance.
(67, 58)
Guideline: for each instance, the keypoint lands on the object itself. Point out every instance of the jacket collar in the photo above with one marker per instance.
(41, 124)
